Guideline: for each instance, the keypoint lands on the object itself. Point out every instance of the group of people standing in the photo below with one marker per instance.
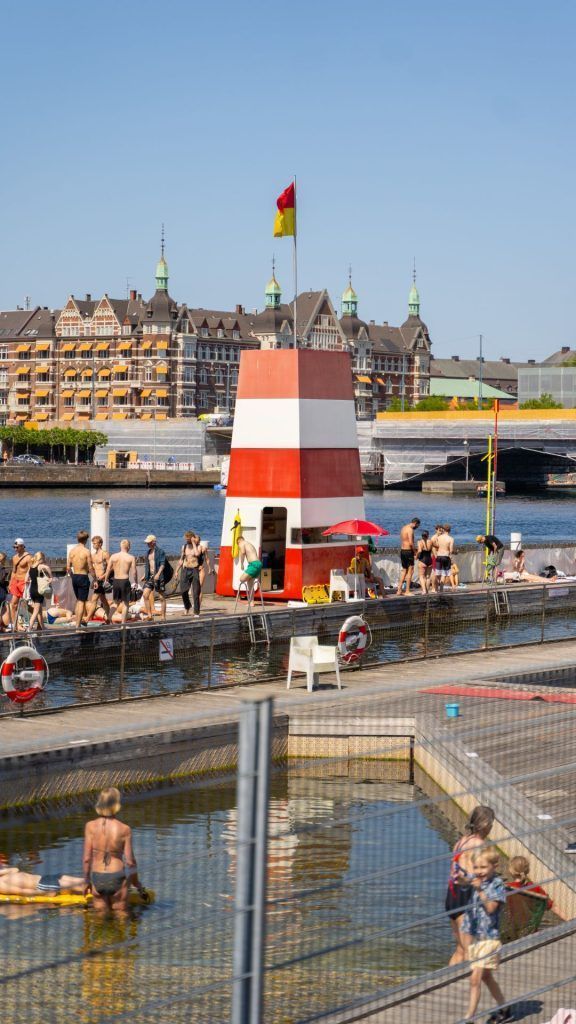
(105, 586)
(434, 555)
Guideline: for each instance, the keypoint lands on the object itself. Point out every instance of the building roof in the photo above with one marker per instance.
(560, 357)
(498, 369)
(455, 387)
(28, 323)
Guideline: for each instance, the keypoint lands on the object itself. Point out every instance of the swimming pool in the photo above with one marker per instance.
(337, 882)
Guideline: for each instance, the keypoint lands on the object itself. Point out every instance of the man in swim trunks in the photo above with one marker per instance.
(100, 559)
(249, 562)
(444, 546)
(123, 566)
(407, 554)
(14, 882)
(21, 561)
(79, 566)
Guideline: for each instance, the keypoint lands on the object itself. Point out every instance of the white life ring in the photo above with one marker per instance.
(36, 676)
(352, 639)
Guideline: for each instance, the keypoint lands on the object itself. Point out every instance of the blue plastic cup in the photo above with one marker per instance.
(452, 710)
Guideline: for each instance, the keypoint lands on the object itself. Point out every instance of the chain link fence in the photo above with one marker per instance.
(113, 663)
(311, 886)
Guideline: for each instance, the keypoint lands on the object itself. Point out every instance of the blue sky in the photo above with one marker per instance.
(443, 131)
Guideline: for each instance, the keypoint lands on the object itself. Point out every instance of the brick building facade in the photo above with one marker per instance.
(132, 358)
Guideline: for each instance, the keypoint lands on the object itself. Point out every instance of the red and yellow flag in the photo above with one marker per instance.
(285, 222)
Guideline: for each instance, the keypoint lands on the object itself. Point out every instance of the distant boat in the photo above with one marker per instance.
(482, 490)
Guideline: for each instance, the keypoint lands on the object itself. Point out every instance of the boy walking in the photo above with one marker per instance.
(481, 929)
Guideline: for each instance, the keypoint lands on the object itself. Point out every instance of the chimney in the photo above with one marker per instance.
(139, 296)
(565, 348)
(88, 297)
(455, 358)
(133, 294)
(505, 359)
(373, 323)
(240, 309)
(531, 362)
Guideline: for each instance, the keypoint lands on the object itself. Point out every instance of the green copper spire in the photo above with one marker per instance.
(349, 298)
(273, 291)
(162, 269)
(414, 296)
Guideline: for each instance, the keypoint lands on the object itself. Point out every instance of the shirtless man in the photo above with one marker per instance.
(20, 564)
(444, 546)
(14, 882)
(407, 553)
(100, 559)
(250, 563)
(79, 566)
(123, 565)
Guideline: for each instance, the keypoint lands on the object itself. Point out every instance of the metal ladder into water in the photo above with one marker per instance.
(258, 625)
(501, 602)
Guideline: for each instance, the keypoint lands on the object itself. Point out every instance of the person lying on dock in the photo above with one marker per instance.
(519, 572)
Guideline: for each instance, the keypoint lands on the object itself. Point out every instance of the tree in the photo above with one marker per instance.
(544, 402)
(434, 403)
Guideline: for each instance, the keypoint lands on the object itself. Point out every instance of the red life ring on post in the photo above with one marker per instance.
(36, 675)
(352, 639)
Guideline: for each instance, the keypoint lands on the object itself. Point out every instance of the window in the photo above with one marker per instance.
(69, 400)
(121, 376)
(103, 400)
(204, 333)
(188, 399)
(203, 376)
(69, 355)
(189, 375)
(219, 333)
(203, 400)
(23, 355)
(148, 374)
(3, 352)
(189, 350)
(3, 376)
(42, 378)
(185, 326)
(236, 335)
(23, 400)
(163, 401)
(219, 376)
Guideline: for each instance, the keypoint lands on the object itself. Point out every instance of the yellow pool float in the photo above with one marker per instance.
(71, 899)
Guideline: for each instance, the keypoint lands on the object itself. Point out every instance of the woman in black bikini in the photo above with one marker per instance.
(424, 557)
(109, 862)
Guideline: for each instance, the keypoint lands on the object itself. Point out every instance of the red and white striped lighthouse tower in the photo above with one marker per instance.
(294, 467)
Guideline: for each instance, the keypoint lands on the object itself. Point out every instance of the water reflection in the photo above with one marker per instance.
(336, 888)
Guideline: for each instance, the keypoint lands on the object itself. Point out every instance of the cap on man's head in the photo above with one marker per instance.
(18, 541)
(149, 538)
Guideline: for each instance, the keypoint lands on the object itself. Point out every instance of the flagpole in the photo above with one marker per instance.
(295, 269)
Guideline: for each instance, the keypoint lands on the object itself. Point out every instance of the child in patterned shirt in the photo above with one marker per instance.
(481, 927)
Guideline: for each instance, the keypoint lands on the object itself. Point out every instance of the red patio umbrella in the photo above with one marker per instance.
(356, 528)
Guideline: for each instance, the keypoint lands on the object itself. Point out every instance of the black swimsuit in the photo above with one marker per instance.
(425, 557)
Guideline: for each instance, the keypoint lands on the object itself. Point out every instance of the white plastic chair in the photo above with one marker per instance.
(310, 657)
(339, 583)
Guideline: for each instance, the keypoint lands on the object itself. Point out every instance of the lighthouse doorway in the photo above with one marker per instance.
(273, 535)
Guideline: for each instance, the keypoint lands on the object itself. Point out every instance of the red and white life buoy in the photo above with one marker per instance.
(36, 674)
(352, 639)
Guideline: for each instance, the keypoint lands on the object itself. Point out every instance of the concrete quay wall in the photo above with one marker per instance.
(55, 475)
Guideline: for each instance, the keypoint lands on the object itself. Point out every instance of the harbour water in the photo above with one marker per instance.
(49, 520)
(336, 883)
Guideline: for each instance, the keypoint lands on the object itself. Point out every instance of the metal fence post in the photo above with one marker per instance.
(543, 616)
(211, 652)
(426, 623)
(122, 663)
(251, 845)
(487, 618)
